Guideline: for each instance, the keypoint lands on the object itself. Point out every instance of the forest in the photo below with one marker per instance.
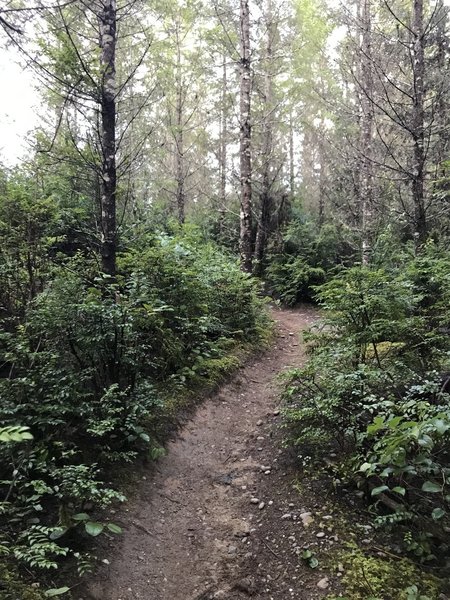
(235, 205)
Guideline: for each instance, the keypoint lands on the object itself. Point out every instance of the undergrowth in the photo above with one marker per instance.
(368, 577)
(89, 371)
(375, 390)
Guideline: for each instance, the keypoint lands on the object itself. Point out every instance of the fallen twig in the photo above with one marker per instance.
(271, 550)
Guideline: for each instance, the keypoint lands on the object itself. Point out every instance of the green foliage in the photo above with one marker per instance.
(308, 257)
(376, 383)
(15, 434)
(86, 367)
(12, 587)
(310, 558)
(384, 579)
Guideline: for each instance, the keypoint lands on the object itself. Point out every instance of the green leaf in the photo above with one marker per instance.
(313, 562)
(379, 490)
(81, 517)
(365, 467)
(57, 592)
(399, 490)
(93, 528)
(378, 423)
(431, 487)
(114, 528)
(57, 533)
(438, 513)
(392, 424)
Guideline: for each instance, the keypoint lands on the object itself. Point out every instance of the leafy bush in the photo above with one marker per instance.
(377, 384)
(307, 258)
(86, 372)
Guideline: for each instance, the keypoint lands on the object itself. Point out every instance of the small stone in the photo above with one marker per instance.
(260, 422)
(321, 534)
(254, 501)
(307, 519)
(267, 472)
(261, 505)
(246, 585)
(276, 412)
(232, 549)
(286, 517)
(323, 583)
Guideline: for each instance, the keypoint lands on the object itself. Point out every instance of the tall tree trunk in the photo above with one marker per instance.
(107, 25)
(322, 179)
(245, 238)
(418, 121)
(291, 156)
(442, 111)
(366, 175)
(267, 147)
(179, 140)
(223, 146)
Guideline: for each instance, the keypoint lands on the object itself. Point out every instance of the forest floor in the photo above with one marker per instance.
(223, 515)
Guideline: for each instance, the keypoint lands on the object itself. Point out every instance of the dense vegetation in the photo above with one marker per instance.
(381, 392)
(90, 369)
(193, 154)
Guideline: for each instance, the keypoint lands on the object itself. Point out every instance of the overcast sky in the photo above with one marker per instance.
(19, 106)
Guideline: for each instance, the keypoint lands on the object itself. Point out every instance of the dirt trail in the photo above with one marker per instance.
(195, 531)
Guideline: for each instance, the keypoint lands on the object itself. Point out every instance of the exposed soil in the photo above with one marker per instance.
(220, 517)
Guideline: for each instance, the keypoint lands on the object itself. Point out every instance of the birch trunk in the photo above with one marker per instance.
(267, 147)
(107, 25)
(418, 121)
(223, 147)
(245, 238)
(179, 140)
(366, 175)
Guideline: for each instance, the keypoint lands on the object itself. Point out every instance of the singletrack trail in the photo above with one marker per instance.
(197, 529)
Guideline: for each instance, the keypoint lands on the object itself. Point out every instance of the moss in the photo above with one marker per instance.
(12, 587)
(216, 369)
(371, 577)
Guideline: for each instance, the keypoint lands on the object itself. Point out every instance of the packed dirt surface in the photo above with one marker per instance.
(220, 517)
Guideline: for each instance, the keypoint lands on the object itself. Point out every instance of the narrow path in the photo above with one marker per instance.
(194, 531)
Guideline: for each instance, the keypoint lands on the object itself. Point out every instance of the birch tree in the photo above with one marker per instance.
(245, 148)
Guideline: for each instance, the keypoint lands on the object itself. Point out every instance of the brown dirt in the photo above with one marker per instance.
(193, 533)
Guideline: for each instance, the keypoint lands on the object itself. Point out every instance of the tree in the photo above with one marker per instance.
(107, 17)
(245, 148)
(366, 128)
(76, 56)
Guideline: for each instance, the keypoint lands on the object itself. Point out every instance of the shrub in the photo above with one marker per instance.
(85, 374)
(308, 257)
(376, 383)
